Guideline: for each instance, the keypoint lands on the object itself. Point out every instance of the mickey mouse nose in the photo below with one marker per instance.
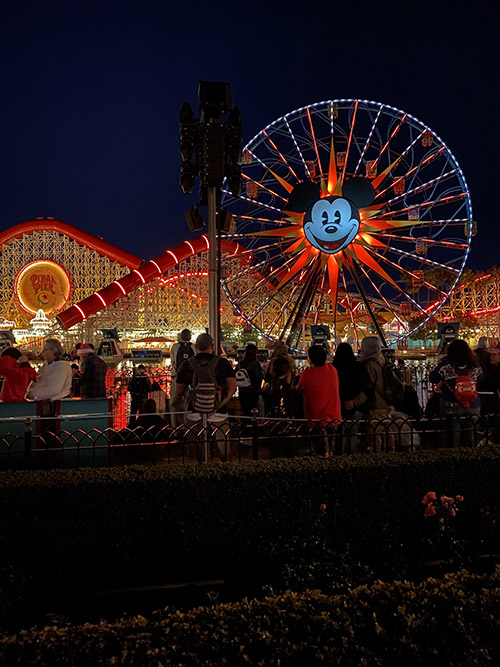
(331, 229)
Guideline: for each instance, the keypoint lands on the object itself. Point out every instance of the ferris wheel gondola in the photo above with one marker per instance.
(353, 213)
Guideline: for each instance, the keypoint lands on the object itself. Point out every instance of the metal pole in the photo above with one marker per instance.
(213, 319)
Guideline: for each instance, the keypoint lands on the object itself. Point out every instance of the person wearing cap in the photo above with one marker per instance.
(93, 375)
(225, 379)
(179, 352)
(54, 377)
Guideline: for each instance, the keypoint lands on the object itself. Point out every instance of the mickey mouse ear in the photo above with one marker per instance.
(302, 196)
(359, 190)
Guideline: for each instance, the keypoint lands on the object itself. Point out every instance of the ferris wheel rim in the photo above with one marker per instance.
(395, 113)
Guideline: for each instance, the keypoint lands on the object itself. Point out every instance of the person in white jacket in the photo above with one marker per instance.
(54, 377)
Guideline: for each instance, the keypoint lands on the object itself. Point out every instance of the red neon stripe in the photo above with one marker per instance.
(171, 253)
(159, 270)
(140, 275)
(192, 249)
(120, 286)
(81, 311)
(100, 297)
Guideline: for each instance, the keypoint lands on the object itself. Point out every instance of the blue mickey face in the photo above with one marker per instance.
(330, 224)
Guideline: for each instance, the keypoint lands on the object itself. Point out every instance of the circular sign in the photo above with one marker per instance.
(44, 285)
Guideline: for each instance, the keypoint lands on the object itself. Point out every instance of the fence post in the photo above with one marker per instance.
(450, 437)
(255, 435)
(28, 432)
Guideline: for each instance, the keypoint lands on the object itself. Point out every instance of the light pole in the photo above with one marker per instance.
(211, 150)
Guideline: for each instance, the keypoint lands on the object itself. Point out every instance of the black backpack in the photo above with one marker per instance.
(184, 353)
(394, 387)
(204, 395)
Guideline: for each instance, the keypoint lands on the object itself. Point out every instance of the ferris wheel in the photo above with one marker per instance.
(353, 214)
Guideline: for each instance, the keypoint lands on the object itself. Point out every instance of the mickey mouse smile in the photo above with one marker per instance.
(330, 245)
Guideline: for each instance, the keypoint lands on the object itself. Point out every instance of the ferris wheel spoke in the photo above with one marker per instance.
(264, 187)
(281, 156)
(247, 219)
(412, 275)
(425, 260)
(299, 152)
(284, 306)
(253, 202)
(367, 142)
(412, 239)
(273, 297)
(355, 112)
(314, 142)
(382, 297)
(350, 309)
(422, 187)
(321, 294)
(265, 278)
(427, 204)
(391, 137)
(413, 170)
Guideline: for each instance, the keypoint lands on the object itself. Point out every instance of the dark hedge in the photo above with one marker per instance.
(454, 621)
(64, 532)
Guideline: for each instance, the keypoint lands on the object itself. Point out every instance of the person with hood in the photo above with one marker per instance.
(376, 407)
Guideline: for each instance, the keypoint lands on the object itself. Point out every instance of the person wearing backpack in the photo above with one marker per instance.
(207, 382)
(179, 352)
(384, 389)
(139, 387)
(459, 373)
(249, 380)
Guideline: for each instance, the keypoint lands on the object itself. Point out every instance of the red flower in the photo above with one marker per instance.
(459, 499)
(322, 507)
(446, 501)
(429, 498)
(430, 510)
(452, 512)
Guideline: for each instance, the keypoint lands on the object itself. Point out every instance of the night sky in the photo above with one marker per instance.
(91, 93)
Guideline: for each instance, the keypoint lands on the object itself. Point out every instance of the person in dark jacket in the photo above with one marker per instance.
(249, 396)
(139, 387)
(353, 383)
(482, 353)
(93, 375)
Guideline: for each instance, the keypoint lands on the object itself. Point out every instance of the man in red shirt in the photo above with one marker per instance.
(319, 386)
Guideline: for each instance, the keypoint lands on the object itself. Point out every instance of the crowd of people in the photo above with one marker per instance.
(331, 393)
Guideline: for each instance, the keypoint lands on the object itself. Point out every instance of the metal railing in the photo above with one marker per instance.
(38, 445)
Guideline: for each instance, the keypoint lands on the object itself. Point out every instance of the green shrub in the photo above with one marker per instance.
(454, 621)
(67, 531)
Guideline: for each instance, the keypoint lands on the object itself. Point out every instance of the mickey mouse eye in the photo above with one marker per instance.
(324, 218)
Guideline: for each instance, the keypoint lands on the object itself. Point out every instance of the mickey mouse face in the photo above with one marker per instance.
(330, 224)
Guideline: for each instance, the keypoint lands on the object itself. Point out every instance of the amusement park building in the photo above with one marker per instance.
(50, 265)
